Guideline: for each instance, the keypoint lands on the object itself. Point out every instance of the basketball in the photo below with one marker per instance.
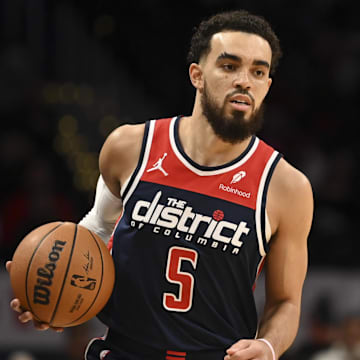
(63, 273)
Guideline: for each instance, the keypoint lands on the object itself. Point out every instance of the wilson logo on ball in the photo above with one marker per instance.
(83, 282)
(46, 274)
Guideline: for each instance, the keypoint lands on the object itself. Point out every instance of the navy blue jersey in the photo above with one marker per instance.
(189, 245)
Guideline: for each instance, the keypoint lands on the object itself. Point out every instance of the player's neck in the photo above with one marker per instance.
(202, 145)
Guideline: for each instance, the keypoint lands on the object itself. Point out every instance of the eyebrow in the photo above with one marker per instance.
(262, 63)
(228, 56)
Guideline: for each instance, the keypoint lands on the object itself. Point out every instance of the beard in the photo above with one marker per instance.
(234, 128)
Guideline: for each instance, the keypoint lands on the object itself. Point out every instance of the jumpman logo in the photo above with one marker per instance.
(158, 165)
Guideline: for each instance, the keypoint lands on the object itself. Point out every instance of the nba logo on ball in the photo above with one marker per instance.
(83, 282)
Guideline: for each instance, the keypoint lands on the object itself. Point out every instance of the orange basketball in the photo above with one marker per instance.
(63, 273)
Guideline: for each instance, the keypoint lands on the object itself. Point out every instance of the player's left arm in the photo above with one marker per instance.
(290, 209)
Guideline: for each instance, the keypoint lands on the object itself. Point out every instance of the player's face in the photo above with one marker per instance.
(235, 83)
(231, 128)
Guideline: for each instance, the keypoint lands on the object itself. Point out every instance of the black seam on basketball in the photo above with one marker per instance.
(65, 276)
(28, 268)
(101, 282)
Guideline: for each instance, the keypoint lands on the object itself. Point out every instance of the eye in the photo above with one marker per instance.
(228, 67)
(259, 73)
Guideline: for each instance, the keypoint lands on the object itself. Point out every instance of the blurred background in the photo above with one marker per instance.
(72, 71)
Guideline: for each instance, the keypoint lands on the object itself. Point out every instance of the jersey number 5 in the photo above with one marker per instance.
(185, 280)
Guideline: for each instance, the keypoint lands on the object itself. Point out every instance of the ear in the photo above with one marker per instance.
(269, 83)
(196, 76)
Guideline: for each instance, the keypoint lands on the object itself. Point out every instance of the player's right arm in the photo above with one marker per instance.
(119, 156)
(118, 159)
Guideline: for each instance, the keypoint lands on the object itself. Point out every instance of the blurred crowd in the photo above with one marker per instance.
(132, 61)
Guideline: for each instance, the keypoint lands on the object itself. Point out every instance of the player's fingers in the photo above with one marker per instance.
(41, 326)
(58, 329)
(244, 350)
(44, 326)
(15, 305)
(8, 265)
(247, 353)
(240, 345)
(227, 357)
(25, 317)
(241, 355)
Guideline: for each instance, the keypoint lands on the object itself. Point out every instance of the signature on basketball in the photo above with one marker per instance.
(89, 264)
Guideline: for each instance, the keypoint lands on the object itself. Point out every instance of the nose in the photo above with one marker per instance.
(242, 80)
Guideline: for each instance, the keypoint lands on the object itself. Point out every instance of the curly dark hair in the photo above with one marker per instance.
(238, 20)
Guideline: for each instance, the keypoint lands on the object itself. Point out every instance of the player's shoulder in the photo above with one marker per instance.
(121, 151)
(289, 180)
(126, 135)
(290, 196)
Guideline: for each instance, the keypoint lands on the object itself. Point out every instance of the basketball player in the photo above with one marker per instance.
(202, 204)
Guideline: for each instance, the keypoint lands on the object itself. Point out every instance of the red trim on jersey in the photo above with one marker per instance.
(111, 241)
(261, 266)
(223, 186)
(177, 355)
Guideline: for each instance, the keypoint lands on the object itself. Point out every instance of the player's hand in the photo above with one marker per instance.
(248, 350)
(26, 316)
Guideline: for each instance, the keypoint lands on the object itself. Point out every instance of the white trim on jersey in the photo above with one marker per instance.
(93, 340)
(258, 267)
(259, 198)
(144, 161)
(267, 227)
(207, 172)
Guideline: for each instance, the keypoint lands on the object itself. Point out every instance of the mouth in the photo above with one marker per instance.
(241, 102)
(241, 99)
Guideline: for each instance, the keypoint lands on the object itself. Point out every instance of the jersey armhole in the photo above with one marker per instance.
(261, 219)
(132, 181)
